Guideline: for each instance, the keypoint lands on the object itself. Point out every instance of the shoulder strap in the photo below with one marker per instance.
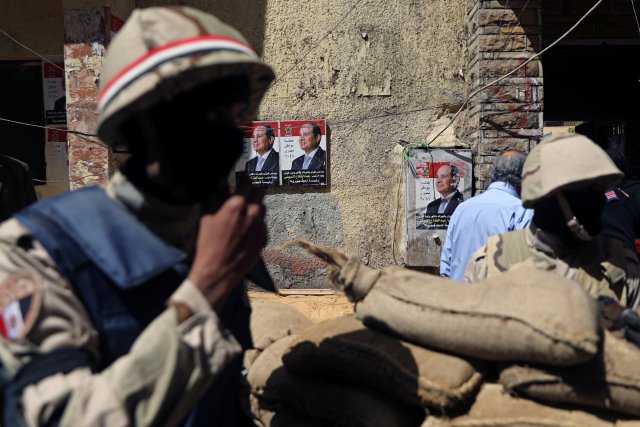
(86, 225)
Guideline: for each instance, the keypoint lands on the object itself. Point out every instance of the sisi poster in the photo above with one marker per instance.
(442, 182)
(291, 153)
(55, 106)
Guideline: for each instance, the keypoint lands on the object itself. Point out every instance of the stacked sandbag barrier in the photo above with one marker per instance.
(419, 344)
(611, 380)
(344, 348)
(269, 322)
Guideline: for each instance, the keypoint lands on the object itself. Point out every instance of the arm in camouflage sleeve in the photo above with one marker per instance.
(476, 270)
(171, 363)
(168, 368)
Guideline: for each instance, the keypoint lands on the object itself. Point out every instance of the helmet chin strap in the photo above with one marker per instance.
(572, 222)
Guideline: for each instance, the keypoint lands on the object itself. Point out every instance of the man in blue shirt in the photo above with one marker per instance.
(495, 211)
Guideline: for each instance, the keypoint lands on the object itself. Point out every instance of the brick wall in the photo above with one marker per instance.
(508, 114)
(86, 34)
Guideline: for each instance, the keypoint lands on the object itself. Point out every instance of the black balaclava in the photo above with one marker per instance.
(586, 205)
(192, 140)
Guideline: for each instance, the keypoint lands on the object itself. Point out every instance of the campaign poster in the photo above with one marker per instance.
(115, 23)
(438, 180)
(55, 104)
(260, 159)
(303, 157)
(442, 180)
(56, 155)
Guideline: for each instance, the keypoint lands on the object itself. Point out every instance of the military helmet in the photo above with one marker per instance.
(566, 162)
(161, 52)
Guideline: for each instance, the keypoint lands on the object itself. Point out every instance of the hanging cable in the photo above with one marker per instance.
(31, 50)
(635, 14)
(74, 132)
(70, 181)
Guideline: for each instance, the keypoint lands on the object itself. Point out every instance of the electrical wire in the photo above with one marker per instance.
(477, 91)
(31, 50)
(74, 132)
(44, 181)
(635, 14)
(248, 127)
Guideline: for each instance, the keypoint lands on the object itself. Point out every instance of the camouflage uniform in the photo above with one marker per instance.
(159, 53)
(602, 266)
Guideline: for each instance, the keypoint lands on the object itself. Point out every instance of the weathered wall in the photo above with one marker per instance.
(247, 16)
(378, 72)
(35, 23)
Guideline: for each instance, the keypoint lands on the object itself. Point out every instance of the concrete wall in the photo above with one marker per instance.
(378, 72)
(35, 23)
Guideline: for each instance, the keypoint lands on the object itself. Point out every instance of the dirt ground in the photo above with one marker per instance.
(317, 307)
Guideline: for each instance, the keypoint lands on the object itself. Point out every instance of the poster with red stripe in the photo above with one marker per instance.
(53, 90)
(288, 153)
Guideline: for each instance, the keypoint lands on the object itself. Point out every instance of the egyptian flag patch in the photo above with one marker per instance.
(611, 196)
(19, 305)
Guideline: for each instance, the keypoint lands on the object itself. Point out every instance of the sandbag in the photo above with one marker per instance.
(495, 407)
(340, 402)
(278, 415)
(345, 348)
(524, 314)
(272, 320)
(610, 381)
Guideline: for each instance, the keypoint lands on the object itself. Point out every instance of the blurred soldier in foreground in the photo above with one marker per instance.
(563, 180)
(125, 305)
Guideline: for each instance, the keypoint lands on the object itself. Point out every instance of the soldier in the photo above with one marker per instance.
(563, 180)
(121, 306)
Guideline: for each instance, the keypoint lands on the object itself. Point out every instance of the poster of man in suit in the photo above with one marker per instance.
(292, 152)
(304, 148)
(441, 184)
(260, 159)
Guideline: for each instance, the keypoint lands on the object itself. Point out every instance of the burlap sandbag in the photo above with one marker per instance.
(278, 415)
(340, 402)
(345, 348)
(495, 407)
(611, 380)
(272, 320)
(525, 314)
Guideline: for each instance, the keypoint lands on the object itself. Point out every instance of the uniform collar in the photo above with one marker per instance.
(177, 225)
